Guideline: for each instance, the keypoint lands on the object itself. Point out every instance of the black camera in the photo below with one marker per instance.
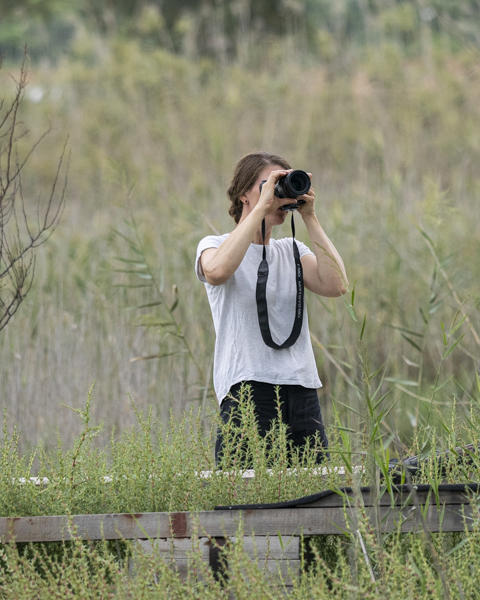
(294, 184)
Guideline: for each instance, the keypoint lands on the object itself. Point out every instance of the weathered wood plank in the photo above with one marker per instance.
(286, 569)
(397, 499)
(91, 527)
(177, 548)
(265, 548)
(283, 570)
(321, 521)
(270, 548)
(278, 557)
(260, 522)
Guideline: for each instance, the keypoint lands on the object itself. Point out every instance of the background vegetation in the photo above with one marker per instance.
(383, 109)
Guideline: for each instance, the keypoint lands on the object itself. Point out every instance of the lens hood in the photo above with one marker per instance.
(294, 184)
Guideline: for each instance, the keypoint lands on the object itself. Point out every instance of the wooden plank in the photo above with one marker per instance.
(270, 548)
(261, 522)
(180, 566)
(397, 498)
(321, 521)
(177, 548)
(265, 548)
(91, 527)
(286, 569)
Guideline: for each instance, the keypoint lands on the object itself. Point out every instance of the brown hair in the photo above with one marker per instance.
(246, 174)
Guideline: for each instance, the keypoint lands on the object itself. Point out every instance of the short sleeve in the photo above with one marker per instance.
(211, 241)
(303, 249)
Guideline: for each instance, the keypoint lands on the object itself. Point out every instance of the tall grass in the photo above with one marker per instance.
(144, 471)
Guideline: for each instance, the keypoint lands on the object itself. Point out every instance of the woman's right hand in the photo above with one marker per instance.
(268, 203)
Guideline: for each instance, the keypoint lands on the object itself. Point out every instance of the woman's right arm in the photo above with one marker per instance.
(219, 264)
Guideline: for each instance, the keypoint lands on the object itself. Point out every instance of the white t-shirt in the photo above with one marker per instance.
(240, 352)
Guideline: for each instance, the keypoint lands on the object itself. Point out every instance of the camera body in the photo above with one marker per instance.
(294, 184)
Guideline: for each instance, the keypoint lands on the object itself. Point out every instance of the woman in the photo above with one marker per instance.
(228, 266)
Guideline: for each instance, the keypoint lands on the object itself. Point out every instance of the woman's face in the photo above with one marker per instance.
(253, 196)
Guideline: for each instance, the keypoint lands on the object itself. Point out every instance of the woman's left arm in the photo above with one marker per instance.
(323, 274)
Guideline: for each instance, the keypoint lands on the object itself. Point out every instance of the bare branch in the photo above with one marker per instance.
(18, 238)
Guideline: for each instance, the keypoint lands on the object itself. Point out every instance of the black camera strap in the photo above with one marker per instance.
(261, 296)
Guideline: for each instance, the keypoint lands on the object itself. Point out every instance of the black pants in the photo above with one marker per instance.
(300, 412)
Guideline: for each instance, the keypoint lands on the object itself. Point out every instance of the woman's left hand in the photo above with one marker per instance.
(307, 209)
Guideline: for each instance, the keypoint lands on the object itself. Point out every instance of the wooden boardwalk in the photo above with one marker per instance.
(451, 508)
(325, 513)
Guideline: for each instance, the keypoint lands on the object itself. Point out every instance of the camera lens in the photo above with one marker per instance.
(297, 183)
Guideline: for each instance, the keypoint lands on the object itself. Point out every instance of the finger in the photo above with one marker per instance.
(310, 195)
(277, 174)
